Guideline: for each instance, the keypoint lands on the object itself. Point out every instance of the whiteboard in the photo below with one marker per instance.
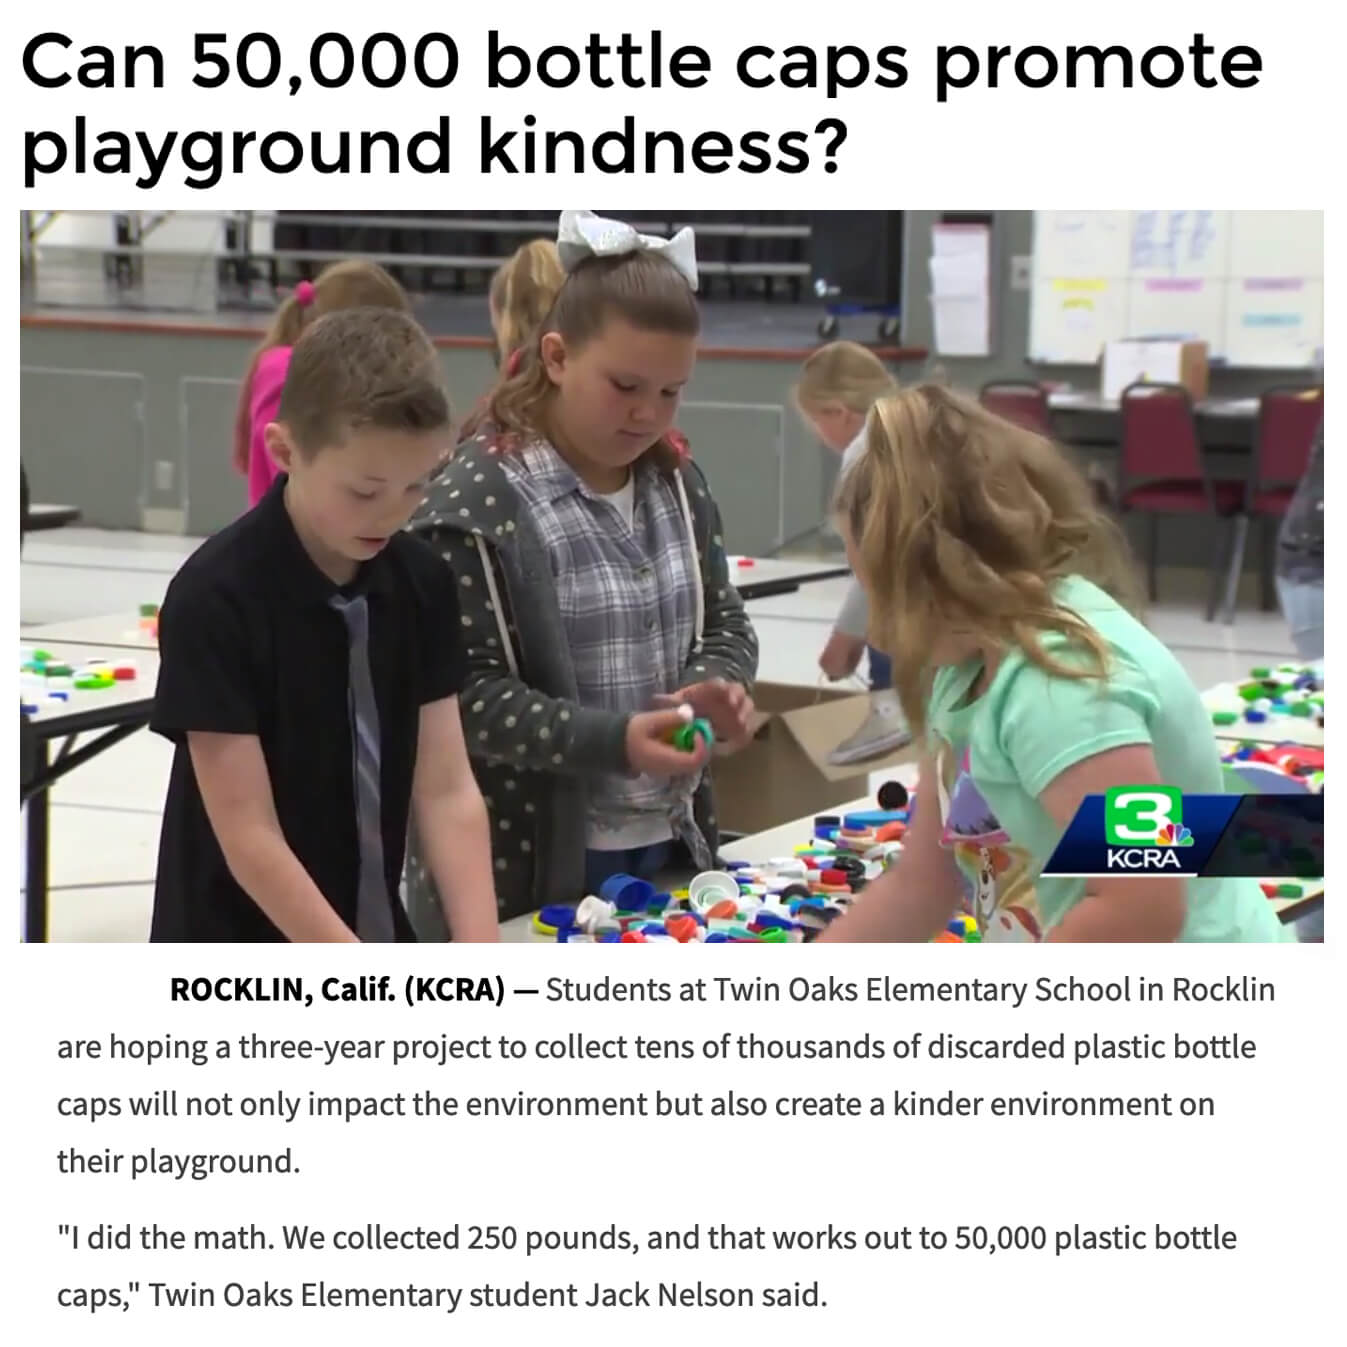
(1248, 283)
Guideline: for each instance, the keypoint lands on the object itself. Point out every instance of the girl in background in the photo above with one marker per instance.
(344, 285)
(1300, 559)
(595, 587)
(522, 291)
(1300, 587)
(838, 385)
(1007, 599)
(521, 296)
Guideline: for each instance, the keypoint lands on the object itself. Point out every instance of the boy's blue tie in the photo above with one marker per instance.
(374, 909)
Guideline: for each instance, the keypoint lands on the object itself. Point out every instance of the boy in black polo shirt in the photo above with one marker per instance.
(310, 666)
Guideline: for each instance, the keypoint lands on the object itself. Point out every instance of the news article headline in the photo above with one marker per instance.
(521, 142)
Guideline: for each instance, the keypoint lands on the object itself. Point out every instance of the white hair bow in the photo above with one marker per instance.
(583, 234)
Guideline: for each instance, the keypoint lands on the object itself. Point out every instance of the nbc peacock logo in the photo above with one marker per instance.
(1174, 835)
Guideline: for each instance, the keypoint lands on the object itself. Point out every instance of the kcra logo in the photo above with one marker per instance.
(1143, 825)
(1142, 858)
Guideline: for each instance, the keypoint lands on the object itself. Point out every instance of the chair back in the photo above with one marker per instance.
(1024, 403)
(1288, 419)
(1159, 436)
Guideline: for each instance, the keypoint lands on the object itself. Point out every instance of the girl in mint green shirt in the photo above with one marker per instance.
(1007, 602)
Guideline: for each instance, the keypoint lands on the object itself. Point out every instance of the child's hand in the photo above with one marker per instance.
(649, 750)
(726, 705)
(841, 657)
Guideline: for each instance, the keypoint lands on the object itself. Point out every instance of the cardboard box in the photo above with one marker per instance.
(1156, 362)
(783, 774)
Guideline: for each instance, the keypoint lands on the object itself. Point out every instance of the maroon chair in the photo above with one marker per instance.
(1288, 420)
(1163, 472)
(1017, 400)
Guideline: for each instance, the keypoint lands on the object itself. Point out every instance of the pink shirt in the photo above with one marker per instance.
(264, 404)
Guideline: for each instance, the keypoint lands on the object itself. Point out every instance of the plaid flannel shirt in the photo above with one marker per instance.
(628, 600)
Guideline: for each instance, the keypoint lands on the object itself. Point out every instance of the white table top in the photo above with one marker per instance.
(779, 841)
(32, 688)
(775, 570)
(120, 631)
(1278, 729)
(1069, 400)
(782, 841)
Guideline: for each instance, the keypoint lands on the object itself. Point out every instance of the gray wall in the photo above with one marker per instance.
(1012, 236)
(135, 428)
(1183, 542)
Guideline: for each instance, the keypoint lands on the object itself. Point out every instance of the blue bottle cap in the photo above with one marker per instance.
(559, 915)
(627, 893)
(872, 818)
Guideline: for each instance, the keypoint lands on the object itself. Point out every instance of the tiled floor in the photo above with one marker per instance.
(105, 814)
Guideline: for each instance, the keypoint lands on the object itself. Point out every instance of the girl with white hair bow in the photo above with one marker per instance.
(594, 585)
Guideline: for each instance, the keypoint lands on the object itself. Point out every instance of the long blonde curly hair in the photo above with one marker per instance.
(960, 520)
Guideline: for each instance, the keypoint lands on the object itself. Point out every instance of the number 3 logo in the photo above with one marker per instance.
(1134, 815)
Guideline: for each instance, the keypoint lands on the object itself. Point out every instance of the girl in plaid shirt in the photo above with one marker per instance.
(594, 586)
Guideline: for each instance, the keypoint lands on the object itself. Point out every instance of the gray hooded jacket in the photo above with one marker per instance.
(519, 662)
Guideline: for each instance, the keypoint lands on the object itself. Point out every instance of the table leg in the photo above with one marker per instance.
(35, 889)
(1236, 567)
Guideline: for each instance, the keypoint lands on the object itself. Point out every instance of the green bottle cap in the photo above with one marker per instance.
(685, 736)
